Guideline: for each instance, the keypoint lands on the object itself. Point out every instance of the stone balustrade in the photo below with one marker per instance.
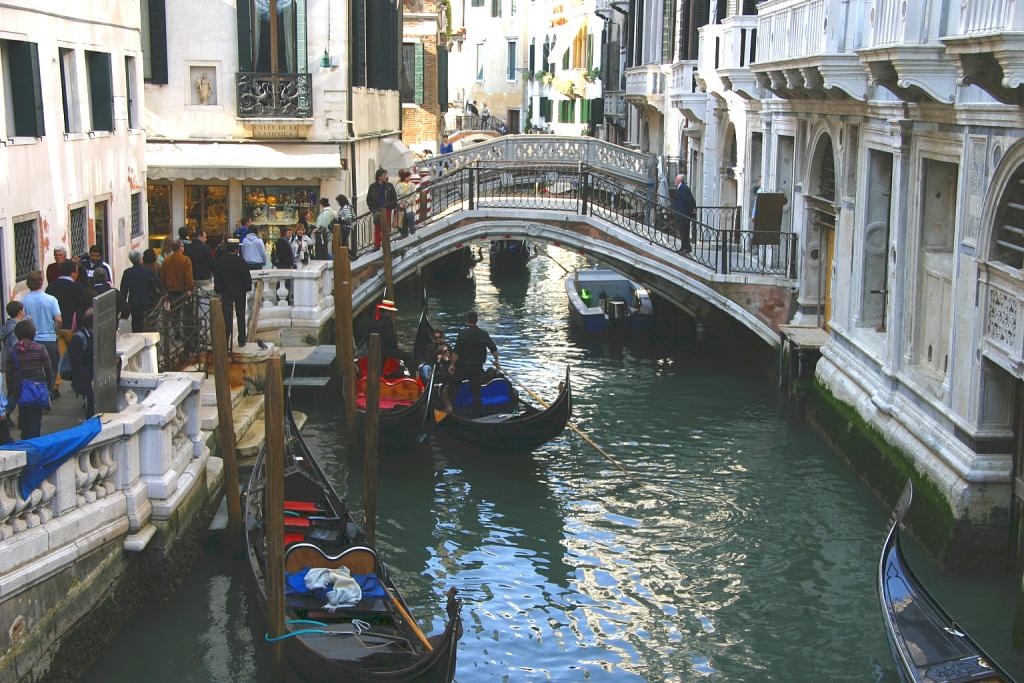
(790, 29)
(138, 351)
(298, 300)
(1002, 300)
(137, 470)
(991, 16)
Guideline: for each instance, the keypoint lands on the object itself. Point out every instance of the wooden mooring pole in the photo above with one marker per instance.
(225, 419)
(370, 441)
(385, 245)
(273, 510)
(343, 336)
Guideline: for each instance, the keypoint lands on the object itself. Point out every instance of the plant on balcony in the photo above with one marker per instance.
(592, 75)
(572, 83)
(544, 77)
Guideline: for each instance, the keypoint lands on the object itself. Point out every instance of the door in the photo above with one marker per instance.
(784, 179)
(513, 121)
(101, 229)
(828, 242)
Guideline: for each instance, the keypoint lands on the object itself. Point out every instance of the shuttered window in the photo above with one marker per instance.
(408, 89)
(510, 66)
(477, 3)
(533, 55)
(384, 39)
(567, 111)
(69, 91)
(24, 97)
(131, 96)
(442, 78)
(668, 30)
(418, 81)
(545, 108)
(495, 8)
(154, 41)
(101, 93)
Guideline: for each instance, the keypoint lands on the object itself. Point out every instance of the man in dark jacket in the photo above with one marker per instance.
(684, 203)
(231, 279)
(380, 197)
(468, 359)
(80, 350)
(202, 259)
(141, 289)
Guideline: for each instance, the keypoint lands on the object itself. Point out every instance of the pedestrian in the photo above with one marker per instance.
(471, 108)
(198, 251)
(406, 191)
(302, 244)
(29, 377)
(380, 197)
(60, 255)
(44, 310)
(282, 255)
(141, 289)
(243, 228)
(15, 314)
(166, 249)
(321, 235)
(686, 206)
(68, 293)
(347, 218)
(385, 324)
(149, 260)
(468, 359)
(93, 261)
(446, 147)
(80, 351)
(232, 280)
(254, 253)
(177, 281)
(485, 116)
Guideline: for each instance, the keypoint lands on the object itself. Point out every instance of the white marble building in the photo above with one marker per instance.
(72, 172)
(239, 124)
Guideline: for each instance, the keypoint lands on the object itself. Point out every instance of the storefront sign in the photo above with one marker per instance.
(278, 130)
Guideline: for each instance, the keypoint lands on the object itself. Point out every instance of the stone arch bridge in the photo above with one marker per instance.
(608, 215)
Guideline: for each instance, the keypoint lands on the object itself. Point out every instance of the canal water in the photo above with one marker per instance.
(738, 547)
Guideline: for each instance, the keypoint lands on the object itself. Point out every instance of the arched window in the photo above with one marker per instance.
(1008, 231)
(826, 169)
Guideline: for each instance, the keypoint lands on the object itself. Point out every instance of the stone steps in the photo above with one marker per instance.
(252, 441)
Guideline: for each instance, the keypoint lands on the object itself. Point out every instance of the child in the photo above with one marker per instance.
(15, 314)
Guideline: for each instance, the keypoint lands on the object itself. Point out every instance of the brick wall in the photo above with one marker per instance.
(421, 123)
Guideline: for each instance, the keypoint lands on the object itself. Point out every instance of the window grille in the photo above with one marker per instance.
(77, 236)
(26, 249)
(136, 214)
(827, 174)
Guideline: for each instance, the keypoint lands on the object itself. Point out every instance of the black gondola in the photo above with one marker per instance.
(509, 255)
(374, 641)
(928, 646)
(514, 427)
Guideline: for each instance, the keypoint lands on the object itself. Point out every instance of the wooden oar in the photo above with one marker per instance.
(409, 620)
(579, 432)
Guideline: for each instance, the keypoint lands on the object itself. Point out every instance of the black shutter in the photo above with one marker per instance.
(358, 11)
(244, 35)
(158, 41)
(101, 91)
(27, 93)
(683, 41)
(533, 57)
(442, 77)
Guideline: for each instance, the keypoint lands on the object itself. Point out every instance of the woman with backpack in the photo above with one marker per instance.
(81, 369)
(29, 379)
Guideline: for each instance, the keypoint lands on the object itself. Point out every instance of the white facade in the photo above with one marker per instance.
(77, 179)
(215, 156)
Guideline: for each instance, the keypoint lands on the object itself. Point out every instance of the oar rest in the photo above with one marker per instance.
(358, 559)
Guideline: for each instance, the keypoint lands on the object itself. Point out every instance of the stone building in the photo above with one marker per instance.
(426, 26)
(72, 163)
(259, 108)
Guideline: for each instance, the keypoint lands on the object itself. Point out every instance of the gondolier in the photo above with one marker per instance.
(469, 356)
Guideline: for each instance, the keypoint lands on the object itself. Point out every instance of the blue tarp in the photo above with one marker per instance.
(497, 392)
(46, 453)
(295, 584)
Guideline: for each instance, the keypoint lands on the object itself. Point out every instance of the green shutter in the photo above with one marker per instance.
(565, 60)
(442, 77)
(27, 109)
(101, 91)
(419, 73)
(358, 61)
(584, 111)
(668, 30)
(39, 126)
(157, 42)
(244, 36)
(590, 51)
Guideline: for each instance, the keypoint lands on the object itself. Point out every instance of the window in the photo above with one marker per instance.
(875, 279)
(477, 3)
(479, 61)
(565, 59)
(408, 89)
(77, 238)
(158, 207)
(99, 222)
(546, 56)
(567, 111)
(579, 50)
(545, 108)
(154, 41)
(23, 95)
(101, 93)
(26, 248)
(137, 230)
(130, 93)
(206, 206)
(274, 37)
(533, 55)
(442, 78)
(495, 8)
(510, 70)
(69, 91)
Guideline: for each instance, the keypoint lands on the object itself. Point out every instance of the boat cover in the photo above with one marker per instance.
(497, 392)
(44, 454)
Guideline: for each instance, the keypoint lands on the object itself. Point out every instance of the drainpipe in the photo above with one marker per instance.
(348, 114)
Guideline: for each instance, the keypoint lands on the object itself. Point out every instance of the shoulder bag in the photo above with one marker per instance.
(33, 394)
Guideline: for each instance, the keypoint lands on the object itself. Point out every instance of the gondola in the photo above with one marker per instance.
(927, 644)
(510, 255)
(374, 641)
(508, 424)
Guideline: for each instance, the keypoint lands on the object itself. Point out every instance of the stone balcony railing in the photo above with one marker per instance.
(645, 86)
(614, 105)
(262, 95)
(1002, 300)
(991, 16)
(298, 300)
(138, 469)
(790, 29)
(684, 93)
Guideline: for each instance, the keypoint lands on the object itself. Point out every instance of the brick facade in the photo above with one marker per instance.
(421, 123)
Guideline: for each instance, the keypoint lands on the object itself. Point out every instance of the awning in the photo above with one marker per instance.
(394, 155)
(226, 161)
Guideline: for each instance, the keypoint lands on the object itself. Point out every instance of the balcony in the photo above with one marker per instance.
(274, 96)
(731, 49)
(683, 93)
(903, 52)
(1002, 298)
(806, 48)
(614, 106)
(645, 86)
(989, 46)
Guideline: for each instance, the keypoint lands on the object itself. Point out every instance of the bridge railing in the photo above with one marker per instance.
(711, 235)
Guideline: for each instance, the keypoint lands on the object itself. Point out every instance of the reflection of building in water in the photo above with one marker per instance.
(254, 127)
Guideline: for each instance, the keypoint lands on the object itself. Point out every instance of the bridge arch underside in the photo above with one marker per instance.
(758, 303)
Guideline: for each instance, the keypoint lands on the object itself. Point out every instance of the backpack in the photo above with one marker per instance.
(64, 366)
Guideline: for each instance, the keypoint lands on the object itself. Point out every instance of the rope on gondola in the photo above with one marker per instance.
(579, 432)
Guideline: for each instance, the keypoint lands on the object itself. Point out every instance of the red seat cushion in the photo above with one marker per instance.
(301, 506)
(296, 522)
(294, 538)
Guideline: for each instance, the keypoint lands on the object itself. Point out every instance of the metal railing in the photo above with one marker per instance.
(184, 326)
(468, 122)
(712, 234)
(274, 95)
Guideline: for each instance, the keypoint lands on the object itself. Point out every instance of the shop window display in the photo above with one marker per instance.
(159, 210)
(206, 207)
(274, 206)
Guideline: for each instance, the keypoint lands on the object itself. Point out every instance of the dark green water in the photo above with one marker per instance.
(739, 548)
